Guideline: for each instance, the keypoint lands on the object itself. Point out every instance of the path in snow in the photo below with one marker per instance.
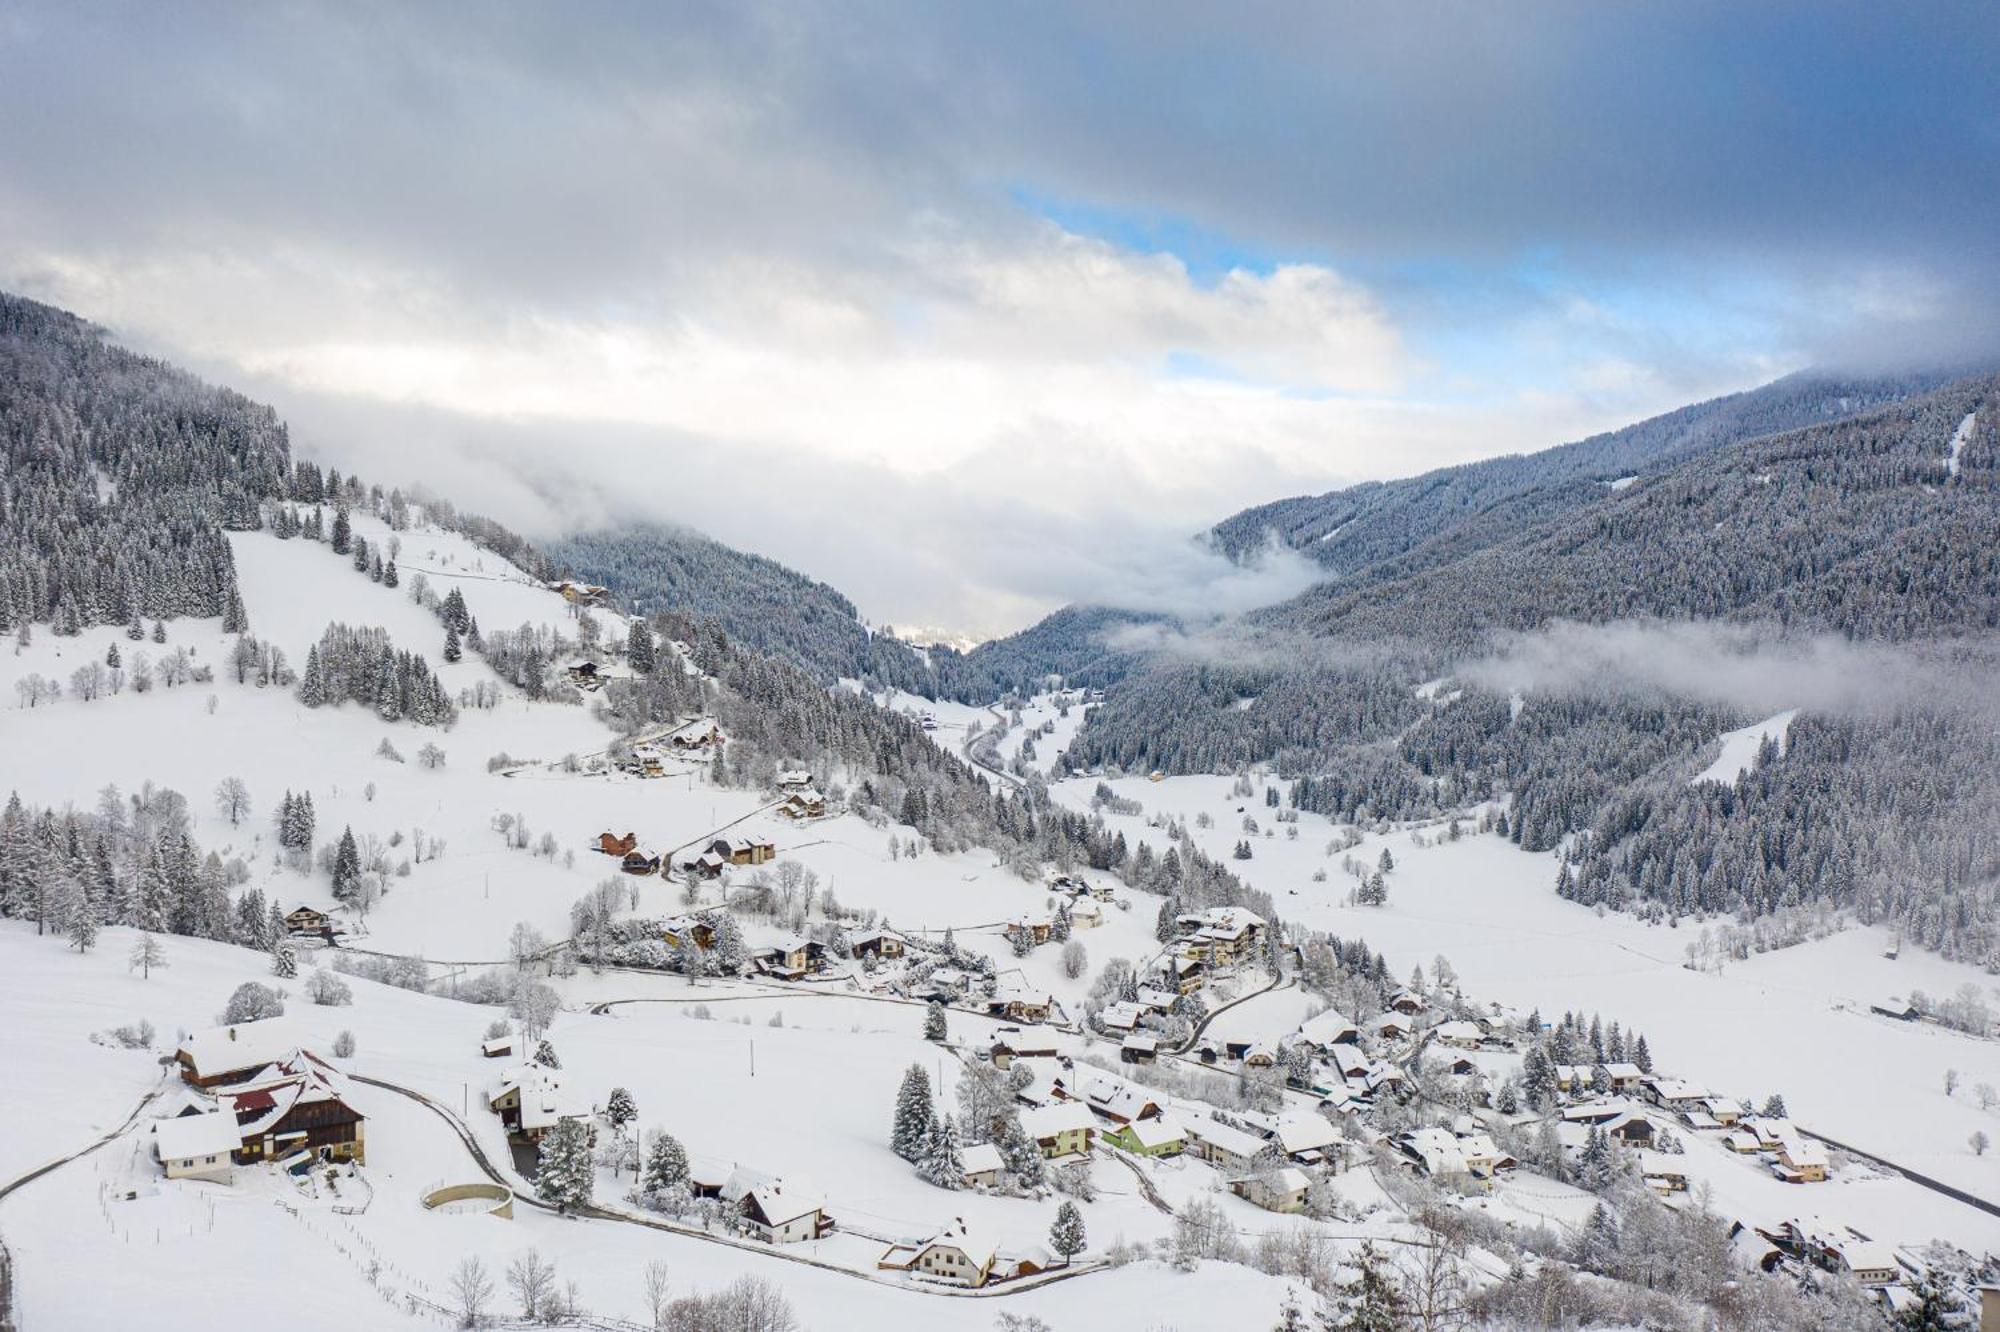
(1959, 439)
(1739, 749)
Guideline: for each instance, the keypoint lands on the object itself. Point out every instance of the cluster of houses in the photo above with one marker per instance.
(1218, 939)
(724, 852)
(253, 1093)
(1468, 1157)
(1073, 1109)
(1633, 1105)
(766, 1206)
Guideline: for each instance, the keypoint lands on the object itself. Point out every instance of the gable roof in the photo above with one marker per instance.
(242, 1046)
(188, 1136)
(980, 1158)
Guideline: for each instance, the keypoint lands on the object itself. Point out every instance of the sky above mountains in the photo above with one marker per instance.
(975, 310)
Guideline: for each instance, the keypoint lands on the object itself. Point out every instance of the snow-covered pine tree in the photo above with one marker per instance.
(1066, 1233)
(940, 1163)
(914, 1113)
(545, 1055)
(934, 1022)
(666, 1163)
(639, 648)
(566, 1174)
(619, 1108)
(346, 867)
(1372, 1303)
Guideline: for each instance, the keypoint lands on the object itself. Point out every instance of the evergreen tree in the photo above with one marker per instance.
(342, 530)
(235, 619)
(452, 650)
(1066, 1234)
(1774, 1107)
(284, 960)
(346, 867)
(914, 1114)
(934, 1022)
(1642, 1056)
(545, 1055)
(620, 1109)
(666, 1163)
(940, 1163)
(566, 1174)
(639, 648)
(1373, 1304)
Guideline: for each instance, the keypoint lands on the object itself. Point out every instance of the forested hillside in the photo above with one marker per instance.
(758, 602)
(1469, 506)
(118, 475)
(1880, 527)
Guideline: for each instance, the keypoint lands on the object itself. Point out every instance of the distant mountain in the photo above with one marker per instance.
(1882, 526)
(1463, 508)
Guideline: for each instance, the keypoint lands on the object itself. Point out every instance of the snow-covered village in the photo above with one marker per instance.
(456, 871)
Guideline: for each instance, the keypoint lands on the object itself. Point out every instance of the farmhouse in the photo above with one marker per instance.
(1141, 1047)
(1159, 1136)
(531, 1099)
(638, 862)
(1306, 1137)
(676, 928)
(1117, 1100)
(806, 804)
(197, 1146)
(580, 594)
(958, 1255)
(1282, 1190)
(774, 1213)
(794, 779)
(1061, 1128)
(223, 1055)
(1035, 929)
(878, 943)
(1020, 1005)
(1624, 1076)
(744, 850)
(1231, 1150)
(1463, 1035)
(788, 958)
(982, 1165)
(305, 920)
(647, 761)
(613, 845)
(697, 734)
(1800, 1161)
(1663, 1174)
(298, 1103)
(1222, 936)
(1011, 1043)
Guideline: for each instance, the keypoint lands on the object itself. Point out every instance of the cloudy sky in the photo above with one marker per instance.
(976, 309)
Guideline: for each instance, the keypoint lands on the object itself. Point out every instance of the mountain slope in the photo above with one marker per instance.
(1351, 530)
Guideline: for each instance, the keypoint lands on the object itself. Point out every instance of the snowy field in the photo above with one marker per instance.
(819, 1101)
(1794, 1021)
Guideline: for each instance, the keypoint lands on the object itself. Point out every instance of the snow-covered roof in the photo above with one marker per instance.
(980, 1158)
(1232, 1140)
(189, 1136)
(779, 1204)
(975, 1244)
(1328, 1028)
(1623, 1070)
(221, 1050)
(1157, 1132)
(1457, 1031)
(1143, 1042)
(1046, 1121)
(1305, 1133)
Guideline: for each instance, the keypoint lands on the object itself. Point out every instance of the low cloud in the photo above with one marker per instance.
(1753, 668)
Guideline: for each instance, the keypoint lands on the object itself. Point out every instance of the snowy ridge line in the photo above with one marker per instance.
(596, 1213)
